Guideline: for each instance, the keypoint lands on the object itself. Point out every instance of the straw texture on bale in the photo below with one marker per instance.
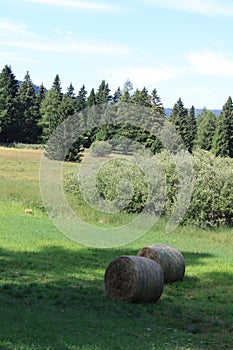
(169, 258)
(133, 278)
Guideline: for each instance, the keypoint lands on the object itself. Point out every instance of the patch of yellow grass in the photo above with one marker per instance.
(19, 163)
(16, 153)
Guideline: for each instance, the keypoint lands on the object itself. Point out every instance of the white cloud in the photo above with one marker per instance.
(203, 7)
(210, 63)
(141, 76)
(10, 27)
(9, 56)
(16, 36)
(85, 5)
(71, 47)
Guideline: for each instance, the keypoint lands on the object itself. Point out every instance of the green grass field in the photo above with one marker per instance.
(52, 292)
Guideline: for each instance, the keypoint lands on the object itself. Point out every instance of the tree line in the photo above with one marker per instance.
(30, 116)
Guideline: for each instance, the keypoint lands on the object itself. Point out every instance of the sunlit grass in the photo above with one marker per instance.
(52, 291)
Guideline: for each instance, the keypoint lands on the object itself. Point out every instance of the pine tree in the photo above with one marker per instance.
(206, 126)
(155, 122)
(3, 108)
(223, 138)
(91, 100)
(103, 93)
(57, 86)
(67, 107)
(191, 129)
(81, 99)
(10, 86)
(39, 100)
(141, 97)
(67, 130)
(156, 103)
(70, 91)
(9, 82)
(41, 94)
(50, 111)
(126, 97)
(80, 105)
(178, 117)
(127, 92)
(29, 112)
(117, 95)
(201, 115)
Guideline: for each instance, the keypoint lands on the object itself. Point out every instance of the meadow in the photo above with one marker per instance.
(52, 291)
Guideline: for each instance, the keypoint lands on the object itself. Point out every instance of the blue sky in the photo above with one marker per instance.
(183, 48)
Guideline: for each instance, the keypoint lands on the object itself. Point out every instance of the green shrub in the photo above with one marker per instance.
(212, 197)
(123, 182)
(100, 149)
(154, 185)
(212, 200)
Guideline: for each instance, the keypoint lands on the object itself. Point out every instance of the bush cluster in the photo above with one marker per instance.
(153, 185)
(100, 149)
(212, 196)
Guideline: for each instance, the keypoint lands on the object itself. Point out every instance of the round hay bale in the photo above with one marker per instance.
(133, 278)
(169, 258)
(28, 211)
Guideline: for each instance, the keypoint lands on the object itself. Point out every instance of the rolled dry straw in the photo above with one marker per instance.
(169, 258)
(134, 278)
(28, 211)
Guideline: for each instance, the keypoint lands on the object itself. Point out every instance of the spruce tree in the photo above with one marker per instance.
(103, 93)
(141, 97)
(67, 107)
(91, 100)
(206, 127)
(178, 117)
(201, 115)
(68, 131)
(29, 112)
(155, 122)
(81, 99)
(156, 103)
(9, 124)
(3, 109)
(191, 129)
(8, 81)
(127, 92)
(41, 94)
(223, 138)
(117, 95)
(126, 97)
(57, 86)
(81, 103)
(50, 109)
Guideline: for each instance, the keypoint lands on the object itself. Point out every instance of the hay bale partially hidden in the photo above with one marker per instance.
(133, 278)
(28, 211)
(169, 258)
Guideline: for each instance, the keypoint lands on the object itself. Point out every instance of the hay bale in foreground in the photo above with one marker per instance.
(169, 258)
(134, 278)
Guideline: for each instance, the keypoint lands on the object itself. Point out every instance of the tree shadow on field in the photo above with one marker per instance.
(196, 258)
(54, 298)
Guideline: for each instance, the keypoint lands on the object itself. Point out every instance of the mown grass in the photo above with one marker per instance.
(52, 292)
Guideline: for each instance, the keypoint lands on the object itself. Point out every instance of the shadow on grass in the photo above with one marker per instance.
(54, 299)
(196, 258)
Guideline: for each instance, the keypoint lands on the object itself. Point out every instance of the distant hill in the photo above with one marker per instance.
(198, 110)
(36, 87)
